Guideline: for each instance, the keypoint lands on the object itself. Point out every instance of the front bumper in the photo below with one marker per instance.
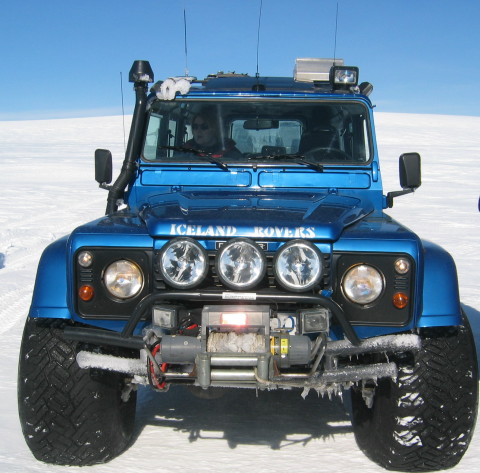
(271, 297)
(252, 355)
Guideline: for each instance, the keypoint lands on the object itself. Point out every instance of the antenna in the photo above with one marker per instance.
(335, 42)
(258, 33)
(123, 111)
(185, 40)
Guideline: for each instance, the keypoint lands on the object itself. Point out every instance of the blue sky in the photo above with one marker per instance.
(63, 58)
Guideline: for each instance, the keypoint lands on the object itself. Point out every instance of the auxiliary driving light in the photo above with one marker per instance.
(343, 76)
(183, 263)
(240, 264)
(314, 320)
(165, 317)
(298, 265)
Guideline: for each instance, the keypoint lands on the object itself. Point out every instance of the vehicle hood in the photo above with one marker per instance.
(272, 215)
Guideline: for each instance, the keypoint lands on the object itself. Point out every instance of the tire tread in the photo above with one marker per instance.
(424, 421)
(67, 416)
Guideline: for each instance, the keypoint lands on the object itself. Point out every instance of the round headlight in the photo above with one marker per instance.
(363, 284)
(183, 263)
(240, 264)
(298, 265)
(123, 279)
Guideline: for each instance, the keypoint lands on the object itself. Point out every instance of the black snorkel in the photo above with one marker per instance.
(141, 75)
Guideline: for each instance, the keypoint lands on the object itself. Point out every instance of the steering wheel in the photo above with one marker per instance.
(327, 154)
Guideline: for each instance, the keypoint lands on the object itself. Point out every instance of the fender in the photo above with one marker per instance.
(441, 299)
(50, 294)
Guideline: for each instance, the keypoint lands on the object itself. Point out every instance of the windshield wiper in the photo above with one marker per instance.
(201, 154)
(297, 158)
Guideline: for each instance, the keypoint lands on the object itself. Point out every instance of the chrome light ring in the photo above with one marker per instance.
(123, 279)
(240, 264)
(298, 265)
(363, 284)
(183, 263)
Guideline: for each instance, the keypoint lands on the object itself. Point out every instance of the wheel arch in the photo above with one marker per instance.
(49, 298)
(440, 294)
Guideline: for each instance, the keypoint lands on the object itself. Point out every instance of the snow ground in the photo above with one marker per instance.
(46, 177)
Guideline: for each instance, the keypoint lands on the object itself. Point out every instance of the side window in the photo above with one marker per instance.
(151, 139)
(356, 139)
(164, 132)
(366, 142)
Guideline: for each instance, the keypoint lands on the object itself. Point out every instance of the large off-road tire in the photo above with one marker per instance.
(69, 416)
(425, 420)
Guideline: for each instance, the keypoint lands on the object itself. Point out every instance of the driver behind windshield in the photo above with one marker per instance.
(207, 137)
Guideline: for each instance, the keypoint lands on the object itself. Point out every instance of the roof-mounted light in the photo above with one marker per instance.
(343, 77)
(314, 69)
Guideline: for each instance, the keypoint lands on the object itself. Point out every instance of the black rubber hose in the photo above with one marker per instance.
(133, 149)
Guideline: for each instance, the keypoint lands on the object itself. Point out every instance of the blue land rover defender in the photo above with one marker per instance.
(245, 245)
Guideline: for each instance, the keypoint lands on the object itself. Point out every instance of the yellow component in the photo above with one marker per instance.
(279, 345)
(272, 345)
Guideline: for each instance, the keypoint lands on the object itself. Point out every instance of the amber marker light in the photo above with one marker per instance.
(400, 300)
(86, 293)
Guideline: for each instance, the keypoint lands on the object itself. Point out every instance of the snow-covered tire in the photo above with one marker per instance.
(69, 416)
(425, 420)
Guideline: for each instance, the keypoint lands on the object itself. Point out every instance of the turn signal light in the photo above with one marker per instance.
(86, 293)
(400, 300)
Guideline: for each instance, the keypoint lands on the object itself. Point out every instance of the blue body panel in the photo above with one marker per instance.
(166, 179)
(50, 293)
(266, 214)
(441, 299)
(341, 209)
(437, 303)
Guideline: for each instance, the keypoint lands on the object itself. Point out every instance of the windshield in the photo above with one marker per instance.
(252, 130)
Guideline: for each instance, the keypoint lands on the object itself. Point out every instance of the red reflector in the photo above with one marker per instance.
(86, 293)
(400, 300)
(233, 318)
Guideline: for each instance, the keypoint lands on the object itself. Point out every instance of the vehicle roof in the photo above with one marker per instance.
(244, 83)
(231, 85)
(260, 84)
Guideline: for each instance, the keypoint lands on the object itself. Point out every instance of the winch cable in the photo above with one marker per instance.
(153, 365)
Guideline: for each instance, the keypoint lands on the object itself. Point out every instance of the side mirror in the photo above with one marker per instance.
(410, 171)
(409, 168)
(103, 167)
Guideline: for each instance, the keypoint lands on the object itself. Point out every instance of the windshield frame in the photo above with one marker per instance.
(257, 159)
